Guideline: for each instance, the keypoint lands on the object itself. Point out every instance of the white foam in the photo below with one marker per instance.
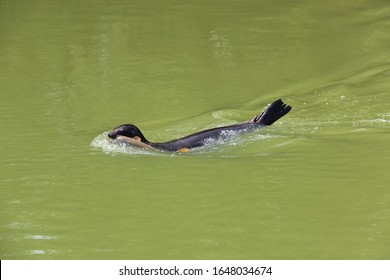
(112, 146)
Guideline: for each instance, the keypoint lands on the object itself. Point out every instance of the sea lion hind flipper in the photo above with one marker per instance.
(274, 112)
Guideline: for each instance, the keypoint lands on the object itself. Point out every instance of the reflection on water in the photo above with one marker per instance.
(40, 237)
(312, 186)
(223, 49)
(40, 252)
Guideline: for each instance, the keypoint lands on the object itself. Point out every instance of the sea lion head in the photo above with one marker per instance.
(127, 130)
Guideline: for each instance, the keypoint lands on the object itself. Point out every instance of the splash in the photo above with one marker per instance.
(117, 147)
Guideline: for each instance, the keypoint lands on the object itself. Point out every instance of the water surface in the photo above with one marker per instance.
(315, 185)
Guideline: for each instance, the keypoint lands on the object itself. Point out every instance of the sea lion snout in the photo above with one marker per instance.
(112, 135)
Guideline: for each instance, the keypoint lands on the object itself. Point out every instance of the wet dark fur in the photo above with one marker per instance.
(274, 112)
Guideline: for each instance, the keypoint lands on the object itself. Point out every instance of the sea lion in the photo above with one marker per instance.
(131, 134)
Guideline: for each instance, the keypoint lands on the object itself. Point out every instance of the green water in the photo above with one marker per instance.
(315, 185)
